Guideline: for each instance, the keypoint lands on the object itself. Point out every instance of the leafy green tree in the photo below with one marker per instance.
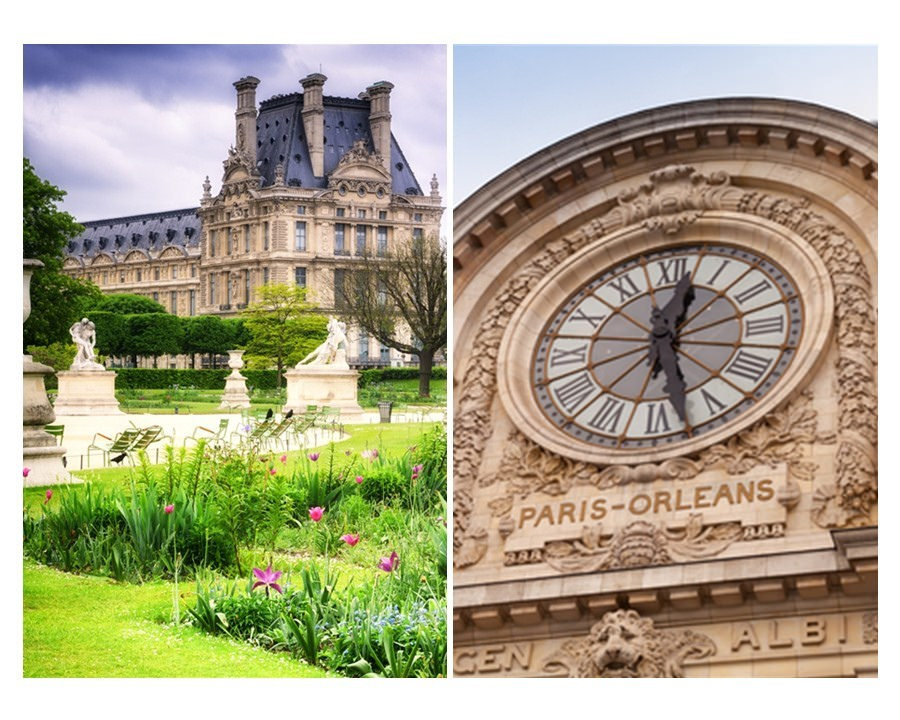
(57, 300)
(58, 355)
(282, 325)
(112, 332)
(128, 304)
(406, 287)
(207, 334)
(154, 334)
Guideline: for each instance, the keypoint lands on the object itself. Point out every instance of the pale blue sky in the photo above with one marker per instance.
(500, 91)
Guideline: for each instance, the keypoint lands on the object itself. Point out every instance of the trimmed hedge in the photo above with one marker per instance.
(377, 375)
(147, 378)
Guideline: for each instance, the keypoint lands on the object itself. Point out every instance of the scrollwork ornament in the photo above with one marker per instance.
(625, 645)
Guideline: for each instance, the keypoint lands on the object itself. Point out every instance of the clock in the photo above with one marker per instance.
(634, 355)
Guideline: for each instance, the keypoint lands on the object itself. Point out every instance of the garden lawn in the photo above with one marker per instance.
(86, 626)
(387, 438)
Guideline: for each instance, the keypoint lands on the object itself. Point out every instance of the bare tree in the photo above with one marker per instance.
(404, 288)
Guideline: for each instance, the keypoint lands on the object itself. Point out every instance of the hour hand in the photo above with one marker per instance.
(676, 308)
(662, 355)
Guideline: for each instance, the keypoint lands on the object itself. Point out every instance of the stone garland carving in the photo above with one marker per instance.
(870, 628)
(850, 500)
(677, 195)
(640, 544)
(625, 645)
(778, 438)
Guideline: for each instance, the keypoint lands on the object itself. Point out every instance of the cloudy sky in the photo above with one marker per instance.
(130, 129)
(511, 101)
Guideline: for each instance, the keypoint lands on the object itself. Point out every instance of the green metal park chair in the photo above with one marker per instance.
(118, 445)
(56, 431)
(211, 436)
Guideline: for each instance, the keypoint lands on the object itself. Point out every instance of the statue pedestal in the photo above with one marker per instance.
(40, 453)
(87, 392)
(323, 385)
(235, 395)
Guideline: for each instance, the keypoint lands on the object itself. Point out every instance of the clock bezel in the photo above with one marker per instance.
(782, 247)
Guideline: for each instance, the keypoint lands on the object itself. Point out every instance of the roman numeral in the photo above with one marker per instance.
(752, 292)
(764, 326)
(672, 270)
(712, 280)
(574, 392)
(607, 417)
(560, 356)
(713, 404)
(625, 287)
(581, 316)
(748, 365)
(657, 421)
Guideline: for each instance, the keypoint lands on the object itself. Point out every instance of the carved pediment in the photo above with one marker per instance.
(102, 259)
(360, 164)
(71, 262)
(172, 252)
(238, 167)
(137, 256)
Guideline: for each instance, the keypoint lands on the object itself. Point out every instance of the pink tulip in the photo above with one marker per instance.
(271, 471)
(267, 579)
(47, 496)
(389, 563)
(284, 459)
(313, 456)
(370, 454)
(359, 479)
(169, 509)
(25, 472)
(315, 513)
(351, 540)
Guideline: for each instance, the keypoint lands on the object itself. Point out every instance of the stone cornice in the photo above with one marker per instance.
(808, 132)
(798, 577)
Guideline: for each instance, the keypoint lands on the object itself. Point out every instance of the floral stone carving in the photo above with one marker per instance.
(640, 544)
(625, 645)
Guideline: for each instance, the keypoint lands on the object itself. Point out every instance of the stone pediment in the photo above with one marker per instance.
(136, 256)
(102, 259)
(238, 168)
(360, 164)
(71, 262)
(172, 252)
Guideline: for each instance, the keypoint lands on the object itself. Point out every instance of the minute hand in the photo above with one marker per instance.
(664, 339)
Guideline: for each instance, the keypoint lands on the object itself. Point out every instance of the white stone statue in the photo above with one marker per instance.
(334, 350)
(84, 335)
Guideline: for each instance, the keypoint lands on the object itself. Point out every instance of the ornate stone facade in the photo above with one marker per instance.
(311, 182)
(757, 516)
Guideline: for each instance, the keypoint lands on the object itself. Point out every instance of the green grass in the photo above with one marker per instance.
(391, 438)
(84, 626)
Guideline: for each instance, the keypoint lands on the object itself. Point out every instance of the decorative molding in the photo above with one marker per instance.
(624, 644)
(870, 628)
(856, 490)
(675, 196)
(640, 544)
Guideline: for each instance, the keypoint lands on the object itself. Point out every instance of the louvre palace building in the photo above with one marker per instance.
(665, 440)
(311, 182)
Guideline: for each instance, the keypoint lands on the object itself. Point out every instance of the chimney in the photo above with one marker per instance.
(314, 121)
(245, 118)
(380, 119)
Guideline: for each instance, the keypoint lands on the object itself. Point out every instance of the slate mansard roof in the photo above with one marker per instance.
(281, 139)
(151, 233)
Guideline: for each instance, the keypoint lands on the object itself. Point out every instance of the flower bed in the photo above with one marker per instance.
(338, 558)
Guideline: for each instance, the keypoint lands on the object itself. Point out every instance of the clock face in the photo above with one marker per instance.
(666, 346)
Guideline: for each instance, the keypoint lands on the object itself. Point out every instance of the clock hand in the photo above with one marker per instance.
(663, 340)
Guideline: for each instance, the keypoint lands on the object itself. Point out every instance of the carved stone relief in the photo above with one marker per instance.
(625, 645)
(676, 196)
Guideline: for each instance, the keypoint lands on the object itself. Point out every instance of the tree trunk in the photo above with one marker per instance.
(426, 360)
(278, 375)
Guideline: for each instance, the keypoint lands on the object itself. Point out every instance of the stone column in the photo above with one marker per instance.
(40, 453)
